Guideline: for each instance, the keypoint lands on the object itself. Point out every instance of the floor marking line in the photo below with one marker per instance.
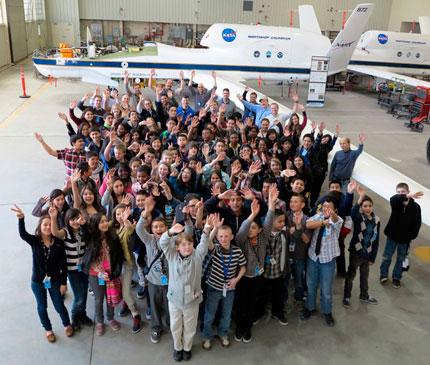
(22, 107)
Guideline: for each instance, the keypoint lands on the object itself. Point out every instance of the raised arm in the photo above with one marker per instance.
(27, 237)
(167, 240)
(77, 202)
(45, 146)
(38, 208)
(107, 151)
(268, 221)
(242, 234)
(59, 233)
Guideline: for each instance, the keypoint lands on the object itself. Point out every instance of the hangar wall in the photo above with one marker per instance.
(273, 12)
(407, 11)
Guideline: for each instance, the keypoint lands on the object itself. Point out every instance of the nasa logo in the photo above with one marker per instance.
(382, 38)
(229, 35)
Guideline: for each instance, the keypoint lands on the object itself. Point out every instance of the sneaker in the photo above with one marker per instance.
(124, 311)
(225, 341)
(140, 293)
(238, 336)
(133, 284)
(68, 330)
(281, 319)
(306, 314)
(370, 300)
(114, 325)
(206, 345)
(383, 280)
(247, 337)
(100, 329)
(186, 355)
(396, 283)
(50, 336)
(329, 320)
(90, 291)
(148, 313)
(87, 321)
(177, 355)
(137, 324)
(346, 302)
(76, 323)
(155, 336)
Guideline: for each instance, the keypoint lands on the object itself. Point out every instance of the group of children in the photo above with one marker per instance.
(212, 212)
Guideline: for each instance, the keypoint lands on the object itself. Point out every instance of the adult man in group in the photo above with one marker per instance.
(229, 105)
(201, 95)
(344, 160)
(261, 110)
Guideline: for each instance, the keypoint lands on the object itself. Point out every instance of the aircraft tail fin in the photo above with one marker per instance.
(308, 19)
(344, 45)
(424, 24)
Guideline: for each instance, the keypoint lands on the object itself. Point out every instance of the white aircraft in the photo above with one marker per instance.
(236, 52)
(394, 55)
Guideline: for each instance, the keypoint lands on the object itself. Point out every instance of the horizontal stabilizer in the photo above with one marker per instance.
(93, 77)
(387, 75)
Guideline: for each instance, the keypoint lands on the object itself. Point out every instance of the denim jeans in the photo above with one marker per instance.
(299, 274)
(79, 283)
(390, 248)
(322, 275)
(39, 292)
(214, 299)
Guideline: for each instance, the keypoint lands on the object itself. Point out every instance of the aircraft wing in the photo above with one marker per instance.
(384, 74)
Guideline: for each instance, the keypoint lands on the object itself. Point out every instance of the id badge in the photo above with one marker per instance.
(258, 270)
(273, 261)
(187, 289)
(267, 260)
(101, 280)
(224, 291)
(47, 282)
(292, 246)
(164, 280)
(168, 209)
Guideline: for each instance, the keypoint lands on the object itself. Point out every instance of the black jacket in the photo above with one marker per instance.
(405, 220)
(52, 264)
(115, 251)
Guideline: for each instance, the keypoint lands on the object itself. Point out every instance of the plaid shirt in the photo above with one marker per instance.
(71, 158)
(274, 251)
(329, 243)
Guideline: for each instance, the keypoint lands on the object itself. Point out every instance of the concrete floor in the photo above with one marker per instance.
(394, 332)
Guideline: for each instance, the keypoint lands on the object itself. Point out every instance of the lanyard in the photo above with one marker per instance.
(46, 255)
(226, 268)
(272, 242)
(255, 252)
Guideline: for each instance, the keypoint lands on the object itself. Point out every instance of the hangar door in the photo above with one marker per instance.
(17, 32)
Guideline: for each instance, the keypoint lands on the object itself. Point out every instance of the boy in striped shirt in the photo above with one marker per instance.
(228, 265)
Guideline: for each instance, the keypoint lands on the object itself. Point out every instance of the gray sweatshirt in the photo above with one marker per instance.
(185, 274)
(255, 255)
(152, 248)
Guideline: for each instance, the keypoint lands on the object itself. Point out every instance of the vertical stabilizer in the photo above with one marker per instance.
(344, 45)
(308, 19)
